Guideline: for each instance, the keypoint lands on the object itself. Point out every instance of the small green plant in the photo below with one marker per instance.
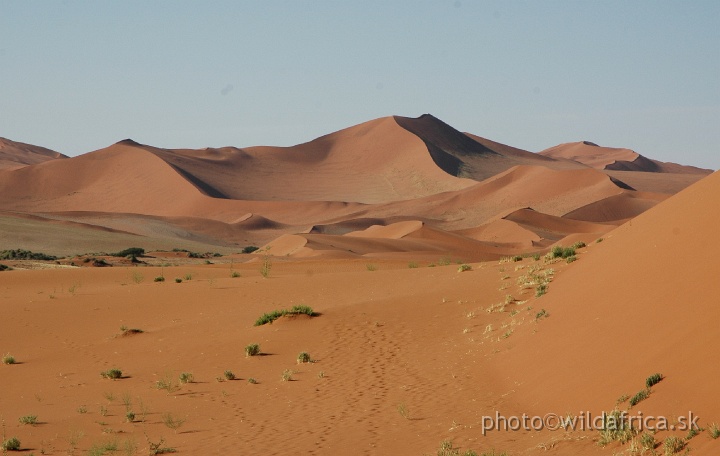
(693, 432)
(4, 267)
(371, 267)
(137, 277)
(714, 431)
(188, 276)
(562, 252)
(229, 375)
(112, 374)
(571, 259)
(287, 375)
(412, 265)
(186, 377)
(178, 280)
(403, 411)
(12, 444)
(252, 350)
(172, 422)
(167, 384)
(599, 240)
(234, 274)
(639, 397)
(673, 445)
(616, 428)
(8, 359)
(125, 331)
(250, 249)
(304, 357)
(464, 267)
(266, 265)
(579, 245)
(542, 314)
(155, 448)
(536, 257)
(82, 410)
(252, 380)
(130, 416)
(159, 279)
(540, 290)
(647, 441)
(28, 419)
(132, 251)
(516, 258)
(653, 380)
(321, 374)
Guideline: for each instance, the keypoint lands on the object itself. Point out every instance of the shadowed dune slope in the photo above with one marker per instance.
(643, 301)
(15, 154)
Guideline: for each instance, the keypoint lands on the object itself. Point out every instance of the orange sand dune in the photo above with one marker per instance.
(617, 208)
(15, 154)
(643, 301)
(618, 159)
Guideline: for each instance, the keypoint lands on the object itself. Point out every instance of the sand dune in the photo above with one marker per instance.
(630, 308)
(617, 159)
(15, 154)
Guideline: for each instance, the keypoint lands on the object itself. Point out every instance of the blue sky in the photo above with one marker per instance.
(80, 75)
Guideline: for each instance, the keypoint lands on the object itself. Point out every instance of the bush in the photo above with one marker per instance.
(28, 419)
(562, 252)
(304, 357)
(653, 380)
(19, 254)
(571, 259)
(287, 375)
(250, 249)
(252, 350)
(579, 245)
(8, 359)
(111, 374)
(275, 314)
(131, 252)
(673, 445)
(159, 279)
(12, 444)
(252, 380)
(516, 258)
(5, 268)
(714, 431)
(639, 397)
(540, 290)
(186, 377)
(178, 280)
(229, 375)
(464, 267)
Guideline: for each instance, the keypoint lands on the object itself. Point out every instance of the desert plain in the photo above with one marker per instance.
(437, 278)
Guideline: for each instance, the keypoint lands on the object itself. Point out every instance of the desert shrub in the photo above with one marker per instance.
(571, 259)
(446, 449)
(4, 267)
(714, 430)
(111, 374)
(464, 267)
(234, 274)
(178, 280)
(653, 380)
(250, 249)
(639, 397)
(172, 422)
(412, 265)
(130, 252)
(540, 290)
(186, 377)
(19, 254)
(599, 240)
(166, 383)
(8, 359)
(287, 375)
(252, 350)
(275, 314)
(252, 380)
(101, 263)
(12, 444)
(159, 279)
(542, 314)
(304, 357)
(673, 445)
(516, 258)
(616, 428)
(188, 276)
(579, 245)
(536, 257)
(371, 267)
(647, 441)
(562, 252)
(229, 375)
(28, 419)
(130, 416)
